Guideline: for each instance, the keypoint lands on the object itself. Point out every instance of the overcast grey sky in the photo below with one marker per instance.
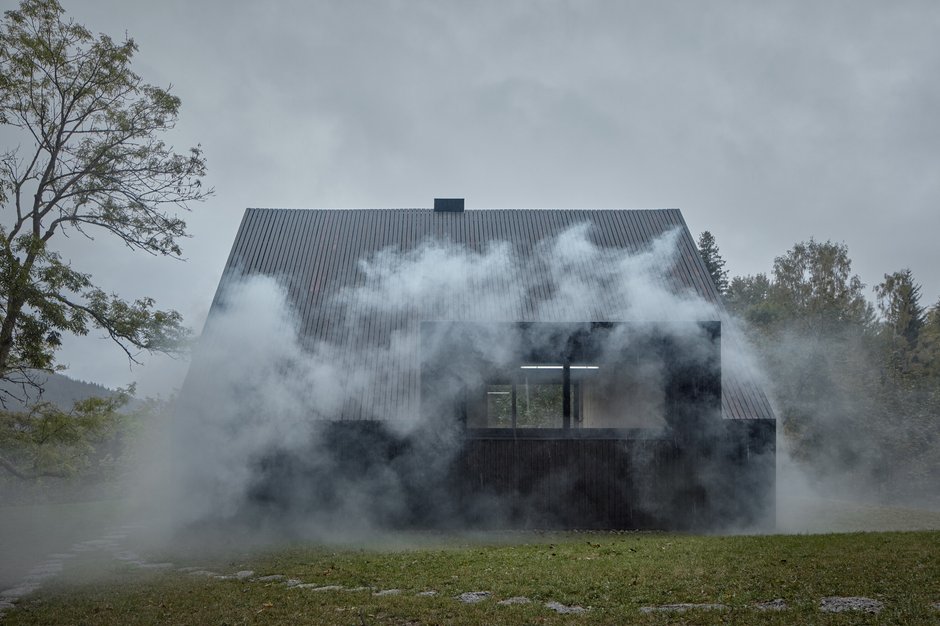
(766, 123)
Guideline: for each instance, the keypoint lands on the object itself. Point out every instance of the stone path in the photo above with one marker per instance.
(111, 543)
(558, 607)
(472, 597)
(837, 604)
(778, 604)
(514, 600)
(681, 608)
(386, 592)
(55, 562)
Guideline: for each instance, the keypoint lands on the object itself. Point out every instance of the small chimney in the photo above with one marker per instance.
(448, 205)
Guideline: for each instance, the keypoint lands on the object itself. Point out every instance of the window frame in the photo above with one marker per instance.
(572, 406)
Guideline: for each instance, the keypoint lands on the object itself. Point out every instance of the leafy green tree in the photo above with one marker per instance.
(708, 249)
(813, 285)
(810, 321)
(749, 298)
(89, 159)
(834, 374)
(47, 441)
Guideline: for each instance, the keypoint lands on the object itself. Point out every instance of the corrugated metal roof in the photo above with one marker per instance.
(316, 253)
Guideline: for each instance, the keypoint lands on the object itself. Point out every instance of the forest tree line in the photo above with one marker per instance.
(856, 383)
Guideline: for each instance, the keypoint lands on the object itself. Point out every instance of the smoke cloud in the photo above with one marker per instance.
(849, 443)
(250, 437)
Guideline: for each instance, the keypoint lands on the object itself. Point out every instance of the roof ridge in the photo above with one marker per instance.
(592, 209)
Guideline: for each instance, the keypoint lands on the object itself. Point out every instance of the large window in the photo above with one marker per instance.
(569, 379)
(539, 405)
(625, 395)
(574, 396)
(532, 397)
(500, 406)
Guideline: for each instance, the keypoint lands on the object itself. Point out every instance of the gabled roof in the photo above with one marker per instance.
(316, 253)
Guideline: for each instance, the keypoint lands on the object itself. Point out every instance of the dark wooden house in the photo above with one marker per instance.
(525, 418)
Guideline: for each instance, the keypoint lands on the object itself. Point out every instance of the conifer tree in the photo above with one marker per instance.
(899, 303)
(713, 261)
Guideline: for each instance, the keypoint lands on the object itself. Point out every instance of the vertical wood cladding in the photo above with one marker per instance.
(621, 483)
(712, 467)
(421, 481)
(318, 252)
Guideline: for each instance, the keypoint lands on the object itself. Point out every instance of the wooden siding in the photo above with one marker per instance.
(414, 480)
(570, 483)
(317, 252)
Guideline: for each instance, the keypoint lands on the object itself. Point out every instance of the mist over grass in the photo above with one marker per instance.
(260, 387)
(856, 389)
(612, 576)
(262, 384)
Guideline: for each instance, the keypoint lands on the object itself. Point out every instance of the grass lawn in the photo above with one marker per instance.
(611, 574)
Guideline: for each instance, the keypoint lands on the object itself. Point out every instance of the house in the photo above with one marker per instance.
(534, 368)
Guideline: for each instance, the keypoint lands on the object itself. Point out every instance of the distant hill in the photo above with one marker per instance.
(57, 389)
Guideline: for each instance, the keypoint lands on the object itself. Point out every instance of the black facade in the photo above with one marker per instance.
(596, 425)
(539, 422)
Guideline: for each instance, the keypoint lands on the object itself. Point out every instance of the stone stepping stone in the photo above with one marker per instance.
(514, 600)
(242, 575)
(318, 587)
(777, 604)
(293, 582)
(838, 604)
(682, 607)
(472, 597)
(564, 609)
(13, 594)
(387, 592)
(270, 578)
(430, 593)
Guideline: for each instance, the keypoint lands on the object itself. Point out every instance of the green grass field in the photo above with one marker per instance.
(612, 575)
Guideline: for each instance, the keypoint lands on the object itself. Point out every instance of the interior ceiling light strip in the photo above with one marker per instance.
(558, 367)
